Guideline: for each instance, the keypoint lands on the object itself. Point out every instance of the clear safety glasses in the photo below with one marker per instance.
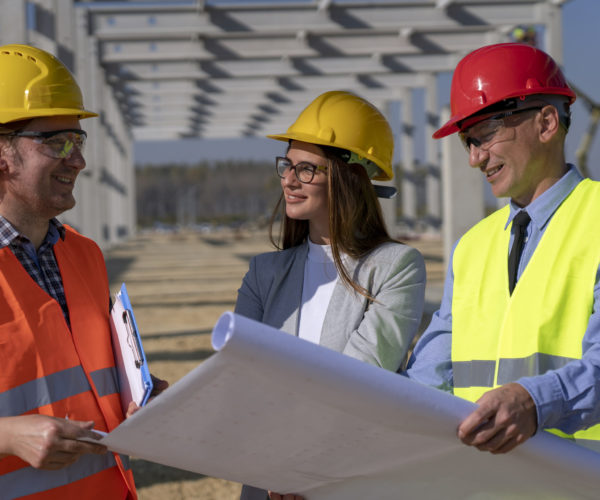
(492, 130)
(58, 144)
(305, 171)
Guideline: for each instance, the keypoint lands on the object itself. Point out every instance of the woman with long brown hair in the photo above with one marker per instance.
(337, 278)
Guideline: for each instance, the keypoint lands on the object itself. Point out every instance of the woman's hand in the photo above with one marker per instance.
(158, 386)
(287, 496)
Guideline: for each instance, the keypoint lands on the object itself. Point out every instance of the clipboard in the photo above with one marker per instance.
(135, 383)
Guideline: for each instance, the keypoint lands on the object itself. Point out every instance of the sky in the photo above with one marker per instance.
(581, 37)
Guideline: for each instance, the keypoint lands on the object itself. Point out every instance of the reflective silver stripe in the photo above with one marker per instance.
(480, 373)
(28, 480)
(476, 373)
(510, 370)
(589, 443)
(43, 391)
(106, 381)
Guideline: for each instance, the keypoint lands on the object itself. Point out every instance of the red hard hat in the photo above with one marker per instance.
(493, 73)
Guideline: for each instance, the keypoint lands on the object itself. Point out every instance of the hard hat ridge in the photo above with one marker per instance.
(36, 84)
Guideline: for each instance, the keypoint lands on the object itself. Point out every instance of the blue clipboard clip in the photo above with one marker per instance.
(132, 338)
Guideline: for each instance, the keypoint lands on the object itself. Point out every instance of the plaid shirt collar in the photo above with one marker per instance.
(9, 235)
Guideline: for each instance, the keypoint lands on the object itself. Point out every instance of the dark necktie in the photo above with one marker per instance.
(520, 224)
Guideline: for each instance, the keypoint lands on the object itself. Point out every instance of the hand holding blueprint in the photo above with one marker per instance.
(280, 413)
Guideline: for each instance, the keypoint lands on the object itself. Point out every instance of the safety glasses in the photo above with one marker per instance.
(305, 171)
(58, 144)
(492, 130)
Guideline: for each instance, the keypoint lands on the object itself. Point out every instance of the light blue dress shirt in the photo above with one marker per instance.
(567, 398)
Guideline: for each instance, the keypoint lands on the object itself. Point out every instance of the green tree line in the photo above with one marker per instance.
(221, 192)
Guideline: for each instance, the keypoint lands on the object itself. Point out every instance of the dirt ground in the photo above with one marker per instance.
(179, 284)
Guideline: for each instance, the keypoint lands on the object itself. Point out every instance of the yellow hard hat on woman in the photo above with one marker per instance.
(345, 121)
(35, 84)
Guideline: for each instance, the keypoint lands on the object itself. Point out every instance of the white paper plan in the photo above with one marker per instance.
(277, 412)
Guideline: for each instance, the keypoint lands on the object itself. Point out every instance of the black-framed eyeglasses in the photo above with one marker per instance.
(486, 133)
(58, 144)
(305, 171)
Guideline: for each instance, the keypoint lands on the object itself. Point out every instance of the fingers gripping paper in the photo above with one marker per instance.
(280, 413)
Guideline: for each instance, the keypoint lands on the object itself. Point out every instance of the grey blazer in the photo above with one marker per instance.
(379, 333)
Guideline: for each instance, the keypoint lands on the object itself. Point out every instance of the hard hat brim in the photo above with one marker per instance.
(450, 127)
(454, 124)
(20, 114)
(294, 136)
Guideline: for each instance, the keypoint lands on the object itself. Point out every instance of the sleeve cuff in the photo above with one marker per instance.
(547, 397)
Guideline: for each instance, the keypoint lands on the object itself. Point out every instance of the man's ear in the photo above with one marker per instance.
(3, 161)
(550, 123)
(3, 158)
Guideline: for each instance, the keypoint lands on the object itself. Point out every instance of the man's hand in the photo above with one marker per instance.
(46, 442)
(506, 417)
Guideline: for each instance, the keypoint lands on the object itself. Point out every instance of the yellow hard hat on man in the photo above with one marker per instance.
(39, 85)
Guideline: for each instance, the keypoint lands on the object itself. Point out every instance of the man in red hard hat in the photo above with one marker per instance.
(518, 329)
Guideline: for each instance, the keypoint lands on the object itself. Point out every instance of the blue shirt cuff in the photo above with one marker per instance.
(547, 396)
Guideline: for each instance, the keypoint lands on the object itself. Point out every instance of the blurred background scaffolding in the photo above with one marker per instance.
(180, 181)
(199, 82)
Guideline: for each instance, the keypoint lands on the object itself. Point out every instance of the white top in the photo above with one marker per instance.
(320, 277)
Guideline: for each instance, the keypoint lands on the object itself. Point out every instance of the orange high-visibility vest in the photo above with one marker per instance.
(49, 369)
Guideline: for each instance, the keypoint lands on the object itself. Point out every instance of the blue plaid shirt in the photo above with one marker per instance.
(41, 264)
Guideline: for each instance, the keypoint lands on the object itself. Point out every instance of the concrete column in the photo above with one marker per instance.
(432, 180)
(119, 175)
(389, 205)
(463, 199)
(130, 221)
(13, 27)
(553, 34)
(87, 215)
(102, 158)
(64, 47)
(66, 32)
(409, 193)
(44, 26)
(112, 186)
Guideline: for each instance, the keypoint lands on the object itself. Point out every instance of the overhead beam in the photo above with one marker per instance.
(238, 66)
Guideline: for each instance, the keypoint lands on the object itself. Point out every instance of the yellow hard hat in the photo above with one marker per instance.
(343, 120)
(35, 84)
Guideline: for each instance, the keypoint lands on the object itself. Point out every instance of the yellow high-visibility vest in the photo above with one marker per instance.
(498, 338)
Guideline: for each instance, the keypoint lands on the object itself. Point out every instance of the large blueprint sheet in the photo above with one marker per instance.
(280, 413)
